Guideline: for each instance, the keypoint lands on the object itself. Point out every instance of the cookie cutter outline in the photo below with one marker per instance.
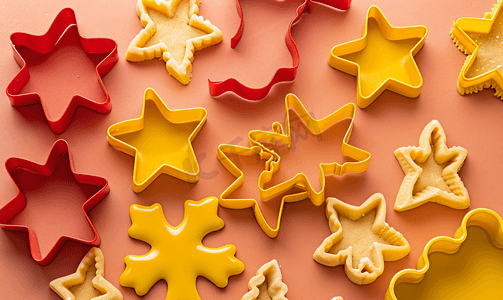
(255, 139)
(489, 220)
(217, 88)
(490, 79)
(223, 151)
(394, 33)
(64, 23)
(16, 205)
(198, 114)
(183, 71)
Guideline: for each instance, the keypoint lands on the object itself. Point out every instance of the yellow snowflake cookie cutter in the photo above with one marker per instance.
(368, 269)
(255, 139)
(489, 220)
(177, 254)
(269, 274)
(408, 156)
(189, 171)
(181, 71)
(61, 286)
(491, 78)
(411, 88)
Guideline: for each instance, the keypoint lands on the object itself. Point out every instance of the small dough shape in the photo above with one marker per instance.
(267, 284)
(87, 283)
(431, 172)
(361, 239)
(173, 31)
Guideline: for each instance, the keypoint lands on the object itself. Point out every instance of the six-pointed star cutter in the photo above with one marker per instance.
(16, 205)
(65, 23)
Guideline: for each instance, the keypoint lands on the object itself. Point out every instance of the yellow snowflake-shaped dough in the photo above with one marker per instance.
(177, 254)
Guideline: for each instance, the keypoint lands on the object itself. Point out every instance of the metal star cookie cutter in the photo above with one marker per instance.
(257, 137)
(160, 140)
(217, 88)
(16, 205)
(479, 275)
(64, 23)
(402, 77)
(490, 78)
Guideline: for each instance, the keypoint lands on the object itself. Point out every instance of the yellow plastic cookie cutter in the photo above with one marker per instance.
(222, 154)
(160, 141)
(492, 224)
(490, 79)
(383, 59)
(257, 137)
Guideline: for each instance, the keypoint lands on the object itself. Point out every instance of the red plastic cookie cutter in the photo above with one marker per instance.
(217, 88)
(16, 205)
(64, 23)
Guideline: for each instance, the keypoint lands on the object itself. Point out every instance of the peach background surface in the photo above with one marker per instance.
(392, 121)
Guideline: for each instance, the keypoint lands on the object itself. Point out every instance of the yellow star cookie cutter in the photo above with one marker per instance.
(257, 137)
(382, 59)
(383, 243)
(278, 134)
(198, 34)
(160, 141)
(177, 254)
(481, 276)
(445, 187)
(492, 77)
(267, 284)
(74, 287)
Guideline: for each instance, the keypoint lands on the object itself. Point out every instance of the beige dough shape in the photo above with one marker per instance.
(87, 283)
(267, 284)
(361, 239)
(431, 172)
(173, 31)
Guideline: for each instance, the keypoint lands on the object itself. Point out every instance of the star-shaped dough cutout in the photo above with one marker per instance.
(481, 39)
(383, 59)
(234, 203)
(431, 172)
(173, 31)
(60, 153)
(88, 282)
(360, 239)
(160, 141)
(278, 134)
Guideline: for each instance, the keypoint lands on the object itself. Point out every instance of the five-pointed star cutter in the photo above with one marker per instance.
(65, 23)
(162, 141)
(378, 58)
(256, 139)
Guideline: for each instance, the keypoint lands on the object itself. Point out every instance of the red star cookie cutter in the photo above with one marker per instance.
(64, 23)
(16, 205)
(217, 88)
